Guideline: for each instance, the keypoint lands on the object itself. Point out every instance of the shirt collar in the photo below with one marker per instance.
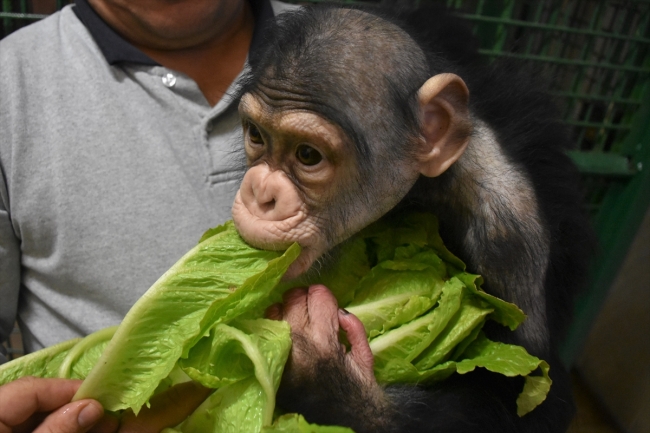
(117, 50)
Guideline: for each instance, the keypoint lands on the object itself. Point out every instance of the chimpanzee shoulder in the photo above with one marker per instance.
(514, 99)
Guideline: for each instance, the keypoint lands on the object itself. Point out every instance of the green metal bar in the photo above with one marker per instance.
(641, 89)
(630, 54)
(556, 46)
(536, 18)
(547, 40)
(555, 28)
(568, 62)
(599, 77)
(502, 31)
(6, 22)
(21, 16)
(479, 7)
(608, 79)
(603, 164)
(565, 45)
(455, 4)
(601, 98)
(579, 76)
(573, 105)
(587, 124)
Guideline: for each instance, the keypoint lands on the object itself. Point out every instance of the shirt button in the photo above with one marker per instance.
(169, 80)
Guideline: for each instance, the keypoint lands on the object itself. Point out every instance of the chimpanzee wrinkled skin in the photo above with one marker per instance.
(349, 115)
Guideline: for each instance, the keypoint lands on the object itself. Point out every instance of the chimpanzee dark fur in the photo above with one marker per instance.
(533, 253)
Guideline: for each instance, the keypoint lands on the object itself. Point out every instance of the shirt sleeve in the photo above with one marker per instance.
(9, 267)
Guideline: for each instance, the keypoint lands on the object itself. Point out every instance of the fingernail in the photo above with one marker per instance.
(89, 415)
(344, 311)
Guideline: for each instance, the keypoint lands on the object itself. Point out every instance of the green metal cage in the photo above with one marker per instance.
(596, 54)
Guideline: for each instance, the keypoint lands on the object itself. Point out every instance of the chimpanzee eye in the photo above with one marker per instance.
(254, 134)
(308, 155)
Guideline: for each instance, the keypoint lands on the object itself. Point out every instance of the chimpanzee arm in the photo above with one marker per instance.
(480, 401)
(333, 386)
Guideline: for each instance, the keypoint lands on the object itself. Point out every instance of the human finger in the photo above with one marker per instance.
(22, 398)
(321, 303)
(294, 308)
(323, 313)
(76, 417)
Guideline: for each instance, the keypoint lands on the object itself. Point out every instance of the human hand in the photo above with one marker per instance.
(43, 406)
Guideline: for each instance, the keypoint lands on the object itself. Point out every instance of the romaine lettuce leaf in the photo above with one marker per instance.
(505, 313)
(409, 340)
(394, 293)
(422, 311)
(216, 281)
(248, 348)
(235, 408)
(341, 276)
(257, 351)
(294, 423)
(81, 358)
(470, 315)
(43, 363)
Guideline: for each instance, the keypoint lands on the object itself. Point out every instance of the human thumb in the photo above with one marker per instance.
(75, 417)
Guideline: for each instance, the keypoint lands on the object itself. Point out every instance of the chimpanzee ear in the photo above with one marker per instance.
(445, 123)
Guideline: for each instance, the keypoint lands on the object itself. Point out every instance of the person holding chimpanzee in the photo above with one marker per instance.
(347, 115)
(117, 123)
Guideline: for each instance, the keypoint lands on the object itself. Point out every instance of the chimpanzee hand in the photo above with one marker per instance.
(323, 380)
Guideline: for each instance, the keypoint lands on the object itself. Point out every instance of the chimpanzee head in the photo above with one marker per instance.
(341, 115)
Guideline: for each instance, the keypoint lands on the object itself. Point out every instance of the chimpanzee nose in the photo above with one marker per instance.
(269, 194)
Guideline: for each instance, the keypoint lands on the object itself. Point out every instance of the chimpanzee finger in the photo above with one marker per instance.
(323, 318)
(360, 353)
(274, 312)
(323, 309)
(322, 305)
(294, 308)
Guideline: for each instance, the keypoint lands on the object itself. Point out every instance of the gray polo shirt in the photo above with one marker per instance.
(110, 171)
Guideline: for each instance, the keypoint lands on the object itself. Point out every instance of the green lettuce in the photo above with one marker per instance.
(295, 423)
(393, 293)
(43, 363)
(72, 359)
(215, 282)
(445, 337)
(202, 321)
(245, 362)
